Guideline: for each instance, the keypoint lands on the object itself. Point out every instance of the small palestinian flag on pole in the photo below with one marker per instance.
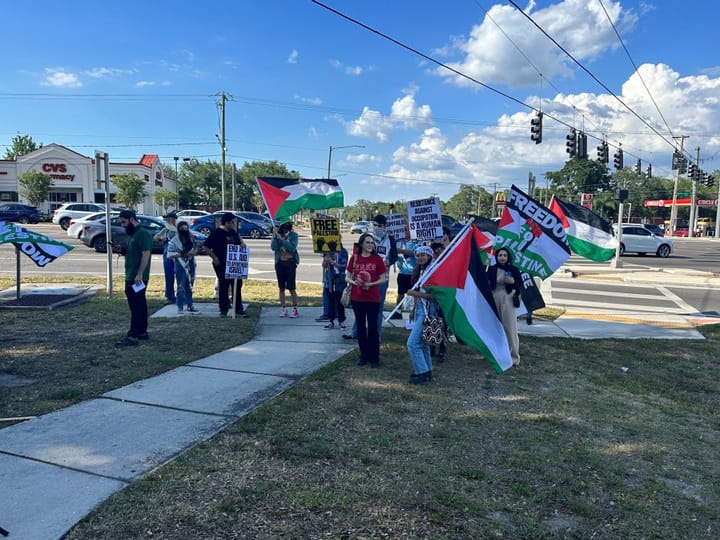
(284, 197)
(588, 234)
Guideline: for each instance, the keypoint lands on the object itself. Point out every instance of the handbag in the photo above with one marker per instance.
(433, 331)
(345, 298)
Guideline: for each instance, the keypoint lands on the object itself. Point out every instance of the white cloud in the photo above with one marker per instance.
(103, 72)
(144, 84)
(580, 26)
(354, 71)
(293, 57)
(404, 113)
(308, 100)
(60, 78)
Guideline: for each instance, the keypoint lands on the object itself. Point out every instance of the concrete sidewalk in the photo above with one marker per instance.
(56, 468)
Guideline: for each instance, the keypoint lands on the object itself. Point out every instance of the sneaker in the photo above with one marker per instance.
(180, 313)
(127, 342)
(348, 336)
(242, 314)
(329, 326)
(191, 309)
(322, 318)
(283, 312)
(294, 313)
(144, 335)
(342, 326)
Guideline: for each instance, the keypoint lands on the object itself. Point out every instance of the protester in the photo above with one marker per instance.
(166, 234)
(437, 249)
(181, 250)
(334, 281)
(386, 248)
(325, 293)
(405, 264)
(366, 272)
(137, 273)
(284, 243)
(216, 245)
(506, 284)
(423, 306)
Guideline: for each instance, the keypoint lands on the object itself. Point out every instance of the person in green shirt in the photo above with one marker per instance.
(137, 272)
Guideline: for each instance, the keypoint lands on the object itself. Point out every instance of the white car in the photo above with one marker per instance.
(188, 215)
(637, 239)
(68, 211)
(76, 224)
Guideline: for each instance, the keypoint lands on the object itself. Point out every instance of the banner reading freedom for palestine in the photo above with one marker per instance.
(535, 236)
(40, 248)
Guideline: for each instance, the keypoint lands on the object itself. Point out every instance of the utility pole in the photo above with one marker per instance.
(673, 211)
(531, 184)
(693, 197)
(223, 98)
(233, 203)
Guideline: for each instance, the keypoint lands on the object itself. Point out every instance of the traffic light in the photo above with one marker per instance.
(649, 170)
(602, 152)
(582, 146)
(683, 165)
(710, 181)
(692, 171)
(536, 128)
(618, 159)
(571, 144)
(638, 167)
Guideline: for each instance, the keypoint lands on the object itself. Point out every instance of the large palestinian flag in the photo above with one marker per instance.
(588, 234)
(460, 285)
(284, 197)
(535, 236)
(40, 248)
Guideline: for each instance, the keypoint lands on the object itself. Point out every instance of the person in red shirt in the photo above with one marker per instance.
(366, 273)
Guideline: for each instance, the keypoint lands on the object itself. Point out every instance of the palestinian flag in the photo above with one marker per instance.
(40, 248)
(533, 234)
(588, 234)
(284, 197)
(460, 285)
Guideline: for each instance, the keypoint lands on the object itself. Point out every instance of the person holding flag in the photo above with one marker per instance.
(181, 251)
(506, 285)
(423, 306)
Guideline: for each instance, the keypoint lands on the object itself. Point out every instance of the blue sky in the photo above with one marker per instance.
(144, 77)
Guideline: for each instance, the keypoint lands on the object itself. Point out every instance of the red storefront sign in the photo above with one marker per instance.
(678, 202)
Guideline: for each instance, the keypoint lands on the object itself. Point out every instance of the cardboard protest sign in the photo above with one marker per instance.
(236, 266)
(325, 234)
(395, 227)
(425, 220)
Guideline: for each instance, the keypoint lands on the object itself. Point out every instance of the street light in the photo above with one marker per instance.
(177, 192)
(339, 148)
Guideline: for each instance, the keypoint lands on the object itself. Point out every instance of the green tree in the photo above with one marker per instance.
(199, 184)
(581, 176)
(130, 189)
(21, 145)
(35, 186)
(165, 198)
(469, 200)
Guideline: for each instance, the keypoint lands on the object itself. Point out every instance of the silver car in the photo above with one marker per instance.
(636, 238)
(361, 227)
(77, 224)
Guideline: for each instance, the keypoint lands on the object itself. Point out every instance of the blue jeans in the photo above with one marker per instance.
(169, 269)
(418, 349)
(184, 282)
(383, 294)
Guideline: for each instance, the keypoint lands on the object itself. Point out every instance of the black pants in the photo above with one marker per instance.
(223, 296)
(138, 310)
(366, 319)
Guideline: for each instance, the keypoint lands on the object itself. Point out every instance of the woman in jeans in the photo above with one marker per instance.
(366, 273)
(181, 251)
(423, 306)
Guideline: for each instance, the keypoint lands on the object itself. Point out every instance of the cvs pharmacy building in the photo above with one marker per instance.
(73, 177)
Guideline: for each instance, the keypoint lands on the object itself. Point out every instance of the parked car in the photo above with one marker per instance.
(260, 219)
(655, 229)
(190, 214)
(636, 238)
(68, 211)
(22, 213)
(77, 224)
(246, 228)
(93, 233)
(361, 227)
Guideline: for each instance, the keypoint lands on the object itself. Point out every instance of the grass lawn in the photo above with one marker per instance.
(586, 439)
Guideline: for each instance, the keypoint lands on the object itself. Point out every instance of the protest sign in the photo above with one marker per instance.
(325, 234)
(396, 226)
(424, 217)
(236, 266)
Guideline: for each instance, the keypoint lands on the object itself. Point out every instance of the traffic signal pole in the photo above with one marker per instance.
(693, 196)
(673, 210)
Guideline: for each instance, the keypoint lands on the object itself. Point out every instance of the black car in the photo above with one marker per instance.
(22, 213)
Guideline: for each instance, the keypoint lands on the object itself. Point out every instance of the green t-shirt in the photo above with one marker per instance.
(137, 243)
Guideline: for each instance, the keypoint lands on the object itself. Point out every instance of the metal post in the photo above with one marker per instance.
(673, 211)
(222, 148)
(177, 189)
(693, 197)
(233, 201)
(717, 212)
(616, 262)
(99, 170)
